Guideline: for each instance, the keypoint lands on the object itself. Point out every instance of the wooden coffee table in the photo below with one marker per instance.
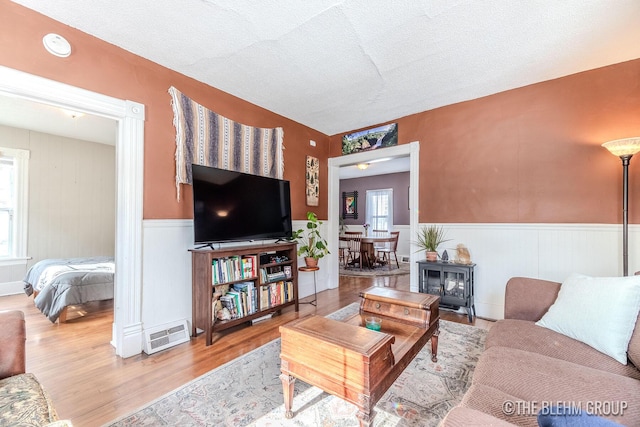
(347, 360)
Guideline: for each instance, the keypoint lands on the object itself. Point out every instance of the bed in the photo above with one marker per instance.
(59, 283)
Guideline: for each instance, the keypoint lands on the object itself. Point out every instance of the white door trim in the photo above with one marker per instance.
(127, 326)
(411, 149)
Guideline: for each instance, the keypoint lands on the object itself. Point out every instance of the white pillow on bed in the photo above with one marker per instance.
(598, 311)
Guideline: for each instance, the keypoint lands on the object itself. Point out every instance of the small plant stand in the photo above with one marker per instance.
(313, 302)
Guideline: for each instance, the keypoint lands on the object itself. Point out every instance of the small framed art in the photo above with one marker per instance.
(350, 204)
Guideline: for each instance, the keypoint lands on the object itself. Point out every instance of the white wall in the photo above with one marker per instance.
(501, 251)
(71, 200)
(166, 271)
(545, 251)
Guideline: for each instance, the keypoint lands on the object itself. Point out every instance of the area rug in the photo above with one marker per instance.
(247, 391)
(405, 268)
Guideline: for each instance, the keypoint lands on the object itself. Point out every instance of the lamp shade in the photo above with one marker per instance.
(623, 147)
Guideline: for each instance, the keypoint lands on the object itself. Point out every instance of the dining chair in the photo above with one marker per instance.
(354, 247)
(379, 245)
(343, 251)
(393, 247)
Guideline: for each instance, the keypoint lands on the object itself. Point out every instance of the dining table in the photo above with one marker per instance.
(367, 248)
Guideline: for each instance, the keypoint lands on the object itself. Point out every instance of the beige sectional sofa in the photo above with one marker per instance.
(526, 367)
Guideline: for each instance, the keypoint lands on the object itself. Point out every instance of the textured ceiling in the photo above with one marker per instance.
(336, 66)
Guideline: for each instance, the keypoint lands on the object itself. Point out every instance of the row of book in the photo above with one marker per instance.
(275, 274)
(242, 300)
(275, 294)
(234, 268)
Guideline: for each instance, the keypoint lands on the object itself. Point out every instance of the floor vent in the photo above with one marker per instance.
(165, 336)
(405, 258)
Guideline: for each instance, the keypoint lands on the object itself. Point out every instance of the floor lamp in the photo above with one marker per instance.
(625, 149)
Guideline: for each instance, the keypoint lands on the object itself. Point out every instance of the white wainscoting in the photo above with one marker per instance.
(544, 251)
(501, 251)
(166, 271)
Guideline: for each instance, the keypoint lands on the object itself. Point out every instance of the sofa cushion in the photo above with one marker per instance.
(24, 402)
(500, 405)
(599, 311)
(12, 341)
(525, 335)
(633, 352)
(465, 417)
(533, 377)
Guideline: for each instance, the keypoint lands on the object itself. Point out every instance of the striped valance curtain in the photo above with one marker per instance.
(206, 138)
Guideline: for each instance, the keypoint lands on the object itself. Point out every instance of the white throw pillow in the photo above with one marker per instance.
(598, 311)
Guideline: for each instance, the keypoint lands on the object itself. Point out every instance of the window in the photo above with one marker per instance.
(14, 175)
(379, 210)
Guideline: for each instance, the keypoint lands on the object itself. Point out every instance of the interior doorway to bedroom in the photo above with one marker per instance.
(70, 188)
(129, 115)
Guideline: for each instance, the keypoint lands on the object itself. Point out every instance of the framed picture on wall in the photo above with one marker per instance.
(370, 139)
(313, 184)
(350, 205)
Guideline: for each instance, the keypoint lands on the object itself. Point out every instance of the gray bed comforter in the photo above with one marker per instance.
(69, 281)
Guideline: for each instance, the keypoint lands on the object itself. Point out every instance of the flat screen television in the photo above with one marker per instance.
(233, 206)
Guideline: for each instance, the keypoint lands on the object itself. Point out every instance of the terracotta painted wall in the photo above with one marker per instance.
(104, 68)
(530, 155)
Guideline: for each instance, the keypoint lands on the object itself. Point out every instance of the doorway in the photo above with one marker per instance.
(335, 163)
(127, 326)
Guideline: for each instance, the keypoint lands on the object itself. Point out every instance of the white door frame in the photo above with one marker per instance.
(127, 327)
(411, 149)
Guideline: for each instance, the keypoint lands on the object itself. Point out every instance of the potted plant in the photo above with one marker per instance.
(312, 245)
(429, 238)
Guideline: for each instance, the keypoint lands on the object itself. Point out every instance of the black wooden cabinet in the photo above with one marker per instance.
(453, 283)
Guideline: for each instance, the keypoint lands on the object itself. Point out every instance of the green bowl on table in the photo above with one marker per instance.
(373, 323)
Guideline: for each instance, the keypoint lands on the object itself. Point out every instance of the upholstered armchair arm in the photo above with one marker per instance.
(529, 299)
(12, 343)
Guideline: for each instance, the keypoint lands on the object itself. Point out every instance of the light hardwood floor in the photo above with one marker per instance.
(91, 386)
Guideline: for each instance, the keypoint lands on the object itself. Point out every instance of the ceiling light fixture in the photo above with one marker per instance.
(384, 159)
(362, 166)
(56, 45)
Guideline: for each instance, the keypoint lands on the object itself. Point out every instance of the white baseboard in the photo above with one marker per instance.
(11, 288)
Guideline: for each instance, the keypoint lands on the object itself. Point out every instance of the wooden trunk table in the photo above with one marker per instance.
(347, 360)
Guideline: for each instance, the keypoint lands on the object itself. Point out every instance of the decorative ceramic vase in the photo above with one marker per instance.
(432, 256)
(311, 262)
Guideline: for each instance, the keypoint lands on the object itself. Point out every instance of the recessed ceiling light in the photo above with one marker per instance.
(56, 45)
(362, 166)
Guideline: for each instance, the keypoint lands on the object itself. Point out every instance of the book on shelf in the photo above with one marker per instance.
(271, 276)
(275, 294)
(249, 266)
(237, 298)
(264, 297)
(287, 271)
(247, 290)
(290, 291)
(233, 268)
(229, 303)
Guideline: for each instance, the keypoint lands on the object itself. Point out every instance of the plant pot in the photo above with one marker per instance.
(432, 256)
(311, 262)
